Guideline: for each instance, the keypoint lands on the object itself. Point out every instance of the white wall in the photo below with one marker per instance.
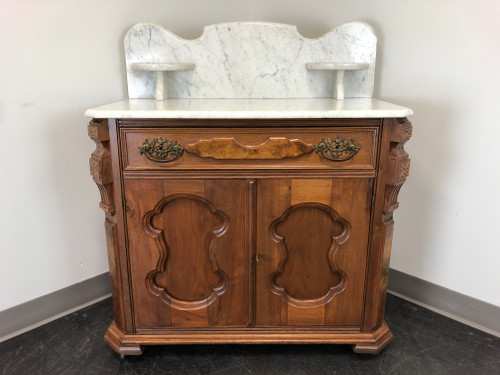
(60, 57)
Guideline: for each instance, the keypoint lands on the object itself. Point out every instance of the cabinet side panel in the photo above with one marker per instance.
(120, 245)
(104, 168)
(398, 171)
(111, 244)
(393, 169)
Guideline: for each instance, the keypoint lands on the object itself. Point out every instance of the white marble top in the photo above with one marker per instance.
(250, 108)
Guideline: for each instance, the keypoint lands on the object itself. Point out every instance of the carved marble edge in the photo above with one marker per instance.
(250, 108)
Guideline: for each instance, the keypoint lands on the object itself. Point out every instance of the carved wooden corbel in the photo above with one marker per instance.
(100, 163)
(399, 163)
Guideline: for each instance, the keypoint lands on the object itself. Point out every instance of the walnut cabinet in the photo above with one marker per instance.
(249, 231)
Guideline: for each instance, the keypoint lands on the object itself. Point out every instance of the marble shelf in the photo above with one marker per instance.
(250, 108)
(163, 67)
(339, 68)
(161, 77)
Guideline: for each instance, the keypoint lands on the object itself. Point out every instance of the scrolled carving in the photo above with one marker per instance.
(337, 149)
(399, 163)
(100, 163)
(404, 169)
(161, 150)
(164, 250)
(286, 245)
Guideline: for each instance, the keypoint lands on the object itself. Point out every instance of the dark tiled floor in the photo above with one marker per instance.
(424, 343)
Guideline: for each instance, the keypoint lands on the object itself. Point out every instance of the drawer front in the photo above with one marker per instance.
(243, 148)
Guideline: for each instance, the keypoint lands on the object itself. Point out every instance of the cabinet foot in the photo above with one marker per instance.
(381, 337)
(115, 338)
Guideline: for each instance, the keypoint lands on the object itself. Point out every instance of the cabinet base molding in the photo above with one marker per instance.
(119, 342)
(380, 338)
(362, 342)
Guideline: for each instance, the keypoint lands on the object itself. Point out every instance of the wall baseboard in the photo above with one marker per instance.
(454, 305)
(41, 310)
(465, 309)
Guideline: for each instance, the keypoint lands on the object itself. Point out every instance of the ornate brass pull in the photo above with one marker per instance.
(161, 150)
(334, 148)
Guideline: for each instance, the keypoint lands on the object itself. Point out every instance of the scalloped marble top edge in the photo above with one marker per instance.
(249, 60)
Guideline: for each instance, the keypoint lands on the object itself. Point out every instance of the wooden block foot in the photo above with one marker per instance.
(381, 337)
(115, 338)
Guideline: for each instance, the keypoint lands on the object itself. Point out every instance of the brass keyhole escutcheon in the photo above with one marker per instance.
(257, 258)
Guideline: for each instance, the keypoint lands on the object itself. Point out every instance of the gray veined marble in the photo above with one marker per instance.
(250, 108)
(251, 60)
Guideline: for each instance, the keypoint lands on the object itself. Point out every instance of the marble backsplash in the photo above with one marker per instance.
(250, 60)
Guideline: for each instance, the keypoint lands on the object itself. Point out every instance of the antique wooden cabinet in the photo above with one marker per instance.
(249, 183)
(249, 230)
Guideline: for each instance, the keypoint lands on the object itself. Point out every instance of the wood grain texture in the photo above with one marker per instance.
(229, 148)
(363, 342)
(178, 247)
(189, 252)
(318, 262)
(398, 171)
(391, 174)
(101, 170)
(258, 242)
(100, 163)
(309, 236)
(247, 123)
(399, 163)
(261, 148)
(125, 302)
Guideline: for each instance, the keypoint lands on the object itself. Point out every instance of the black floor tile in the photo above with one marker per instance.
(425, 343)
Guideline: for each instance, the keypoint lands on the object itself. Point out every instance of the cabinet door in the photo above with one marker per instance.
(187, 252)
(312, 241)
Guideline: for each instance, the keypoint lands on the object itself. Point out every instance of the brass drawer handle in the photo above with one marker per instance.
(161, 150)
(334, 148)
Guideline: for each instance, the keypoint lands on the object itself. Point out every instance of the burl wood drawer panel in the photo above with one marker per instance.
(243, 148)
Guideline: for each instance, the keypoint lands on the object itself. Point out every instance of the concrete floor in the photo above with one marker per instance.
(424, 343)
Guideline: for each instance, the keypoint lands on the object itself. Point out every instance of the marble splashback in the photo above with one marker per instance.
(250, 60)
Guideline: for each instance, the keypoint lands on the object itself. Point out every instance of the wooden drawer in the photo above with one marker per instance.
(256, 148)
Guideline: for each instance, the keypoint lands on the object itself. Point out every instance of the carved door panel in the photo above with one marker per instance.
(312, 239)
(187, 252)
